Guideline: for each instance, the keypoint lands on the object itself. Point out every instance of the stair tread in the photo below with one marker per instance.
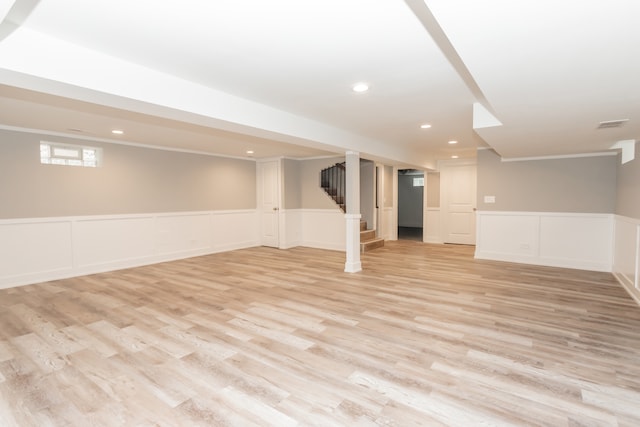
(375, 243)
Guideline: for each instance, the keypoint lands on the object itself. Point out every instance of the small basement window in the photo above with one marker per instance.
(52, 153)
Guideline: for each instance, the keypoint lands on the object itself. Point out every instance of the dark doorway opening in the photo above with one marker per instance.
(410, 204)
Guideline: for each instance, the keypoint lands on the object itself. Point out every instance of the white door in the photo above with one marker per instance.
(269, 202)
(458, 203)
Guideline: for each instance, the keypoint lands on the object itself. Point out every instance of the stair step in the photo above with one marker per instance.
(363, 225)
(367, 235)
(371, 244)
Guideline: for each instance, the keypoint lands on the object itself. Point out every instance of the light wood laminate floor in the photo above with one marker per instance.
(425, 335)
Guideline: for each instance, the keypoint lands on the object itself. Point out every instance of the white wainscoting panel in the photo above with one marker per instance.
(584, 242)
(571, 240)
(183, 233)
(432, 231)
(323, 229)
(626, 255)
(43, 249)
(290, 228)
(234, 230)
(388, 226)
(34, 248)
(109, 241)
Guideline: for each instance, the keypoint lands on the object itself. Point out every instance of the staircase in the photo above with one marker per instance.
(368, 239)
(332, 181)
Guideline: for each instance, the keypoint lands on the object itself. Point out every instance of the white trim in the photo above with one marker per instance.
(542, 213)
(560, 156)
(334, 156)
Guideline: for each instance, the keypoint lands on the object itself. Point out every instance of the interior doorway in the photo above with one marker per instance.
(410, 204)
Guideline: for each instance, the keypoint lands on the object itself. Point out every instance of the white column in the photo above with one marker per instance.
(394, 221)
(352, 217)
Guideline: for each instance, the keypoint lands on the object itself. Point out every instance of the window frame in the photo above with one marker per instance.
(85, 156)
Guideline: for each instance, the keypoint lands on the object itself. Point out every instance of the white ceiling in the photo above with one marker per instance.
(227, 76)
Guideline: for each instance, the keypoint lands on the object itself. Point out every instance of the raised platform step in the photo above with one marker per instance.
(369, 245)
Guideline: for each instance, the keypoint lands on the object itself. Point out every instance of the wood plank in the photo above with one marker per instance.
(424, 335)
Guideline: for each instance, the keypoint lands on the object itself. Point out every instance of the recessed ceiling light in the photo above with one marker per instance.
(425, 126)
(454, 157)
(249, 151)
(453, 142)
(360, 87)
(117, 132)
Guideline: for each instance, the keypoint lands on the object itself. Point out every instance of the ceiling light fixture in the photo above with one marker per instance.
(360, 87)
(117, 132)
(612, 124)
(249, 151)
(453, 142)
(425, 126)
(454, 157)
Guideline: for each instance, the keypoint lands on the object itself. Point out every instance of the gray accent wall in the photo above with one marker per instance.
(130, 180)
(628, 187)
(581, 184)
(292, 190)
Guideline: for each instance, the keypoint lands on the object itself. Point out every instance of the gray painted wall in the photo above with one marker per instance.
(131, 180)
(388, 186)
(292, 189)
(410, 202)
(628, 187)
(432, 182)
(584, 184)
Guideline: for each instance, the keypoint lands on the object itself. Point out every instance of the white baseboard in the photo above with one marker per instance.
(436, 240)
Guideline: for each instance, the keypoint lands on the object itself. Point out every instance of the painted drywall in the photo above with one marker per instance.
(388, 186)
(432, 185)
(410, 202)
(312, 196)
(130, 180)
(291, 177)
(581, 184)
(628, 187)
